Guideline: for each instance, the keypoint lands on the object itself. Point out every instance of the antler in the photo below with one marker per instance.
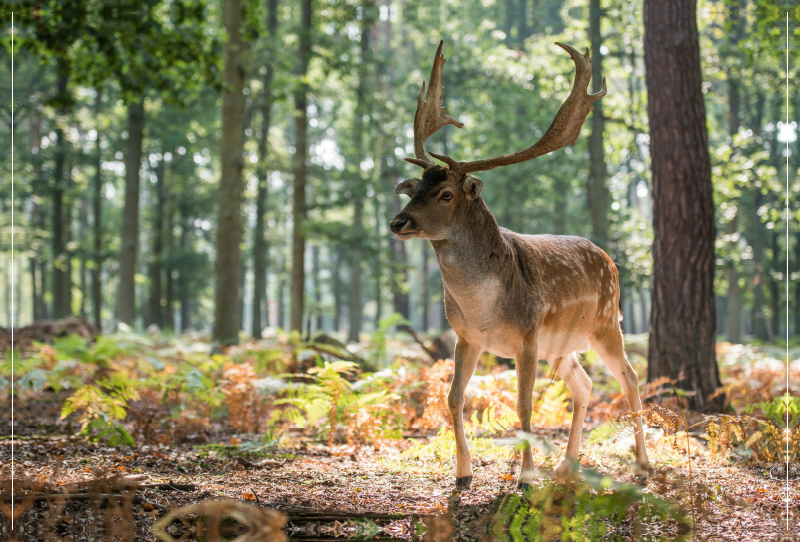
(430, 115)
(564, 129)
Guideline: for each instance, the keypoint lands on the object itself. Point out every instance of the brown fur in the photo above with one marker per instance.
(527, 297)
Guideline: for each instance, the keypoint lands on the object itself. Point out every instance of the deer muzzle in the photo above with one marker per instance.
(401, 224)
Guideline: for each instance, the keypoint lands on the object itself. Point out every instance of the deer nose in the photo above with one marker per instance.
(398, 223)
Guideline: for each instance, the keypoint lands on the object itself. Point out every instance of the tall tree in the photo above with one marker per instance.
(97, 222)
(359, 186)
(259, 240)
(126, 293)
(229, 225)
(155, 312)
(682, 321)
(62, 282)
(299, 211)
(598, 195)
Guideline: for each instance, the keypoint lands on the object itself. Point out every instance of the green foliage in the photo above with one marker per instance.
(331, 402)
(102, 407)
(578, 511)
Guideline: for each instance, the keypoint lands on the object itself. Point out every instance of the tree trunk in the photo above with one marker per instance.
(682, 322)
(757, 242)
(169, 313)
(183, 272)
(259, 240)
(126, 296)
(317, 288)
(597, 193)
(155, 312)
(337, 290)
(734, 293)
(378, 264)
(425, 297)
(97, 225)
(774, 288)
(84, 234)
(400, 279)
(354, 306)
(300, 171)
(229, 226)
(61, 306)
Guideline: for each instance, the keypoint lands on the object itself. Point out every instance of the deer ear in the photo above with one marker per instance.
(472, 187)
(407, 187)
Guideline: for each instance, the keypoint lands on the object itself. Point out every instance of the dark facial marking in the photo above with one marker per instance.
(431, 179)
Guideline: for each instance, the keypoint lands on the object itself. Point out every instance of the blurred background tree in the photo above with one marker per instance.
(109, 93)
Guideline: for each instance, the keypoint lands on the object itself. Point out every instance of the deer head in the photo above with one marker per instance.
(445, 194)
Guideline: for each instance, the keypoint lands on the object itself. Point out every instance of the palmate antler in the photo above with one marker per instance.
(430, 115)
(564, 129)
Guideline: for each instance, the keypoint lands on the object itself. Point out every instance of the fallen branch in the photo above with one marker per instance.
(259, 464)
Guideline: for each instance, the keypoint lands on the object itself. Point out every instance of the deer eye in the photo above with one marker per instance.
(447, 196)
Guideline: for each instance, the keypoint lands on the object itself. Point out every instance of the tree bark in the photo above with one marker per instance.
(60, 279)
(126, 296)
(317, 288)
(598, 194)
(734, 293)
(259, 240)
(155, 312)
(183, 271)
(97, 225)
(337, 290)
(229, 225)
(300, 171)
(682, 322)
(169, 313)
(400, 278)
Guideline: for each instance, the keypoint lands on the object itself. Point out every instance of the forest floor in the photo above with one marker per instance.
(70, 488)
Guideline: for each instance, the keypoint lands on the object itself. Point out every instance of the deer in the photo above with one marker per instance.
(526, 297)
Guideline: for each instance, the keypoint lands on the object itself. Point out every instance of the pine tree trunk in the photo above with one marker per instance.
(598, 194)
(155, 312)
(425, 290)
(60, 257)
(774, 288)
(34, 288)
(734, 293)
(169, 316)
(126, 295)
(377, 271)
(183, 272)
(354, 306)
(300, 172)
(682, 322)
(228, 265)
(400, 280)
(97, 226)
(83, 234)
(259, 241)
(337, 290)
(317, 288)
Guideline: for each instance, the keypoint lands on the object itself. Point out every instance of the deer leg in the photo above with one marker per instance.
(580, 387)
(527, 361)
(609, 346)
(466, 359)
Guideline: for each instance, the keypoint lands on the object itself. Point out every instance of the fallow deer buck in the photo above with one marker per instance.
(526, 297)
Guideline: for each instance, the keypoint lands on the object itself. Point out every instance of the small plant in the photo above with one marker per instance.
(368, 416)
(103, 406)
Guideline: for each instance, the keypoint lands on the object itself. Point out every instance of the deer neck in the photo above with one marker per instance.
(472, 250)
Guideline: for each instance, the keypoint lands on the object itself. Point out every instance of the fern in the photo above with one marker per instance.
(103, 406)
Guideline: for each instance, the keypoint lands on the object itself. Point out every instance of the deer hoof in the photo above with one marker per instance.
(642, 473)
(463, 482)
(523, 485)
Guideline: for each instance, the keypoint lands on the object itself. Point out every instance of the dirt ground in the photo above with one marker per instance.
(335, 492)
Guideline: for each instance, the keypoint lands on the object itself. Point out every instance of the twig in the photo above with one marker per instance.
(259, 464)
